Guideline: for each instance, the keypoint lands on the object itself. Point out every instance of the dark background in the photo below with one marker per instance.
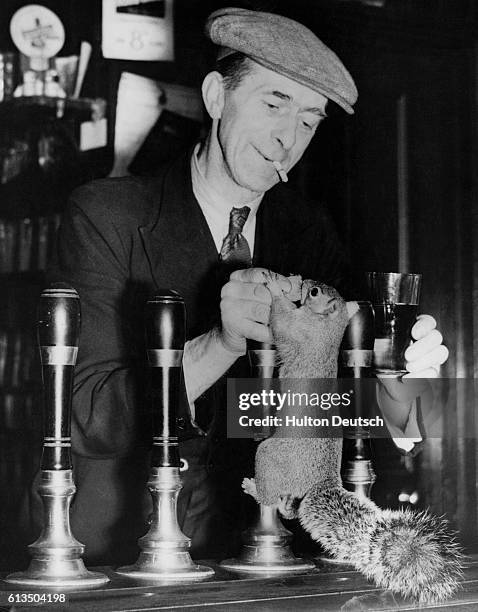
(399, 178)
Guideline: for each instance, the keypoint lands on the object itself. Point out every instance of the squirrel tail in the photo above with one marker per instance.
(411, 553)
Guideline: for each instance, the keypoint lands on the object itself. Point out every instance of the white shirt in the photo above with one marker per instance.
(216, 210)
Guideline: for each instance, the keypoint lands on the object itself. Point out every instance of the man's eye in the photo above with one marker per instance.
(308, 126)
(271, 106)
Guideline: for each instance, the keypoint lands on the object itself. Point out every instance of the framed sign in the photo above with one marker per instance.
(138, 30)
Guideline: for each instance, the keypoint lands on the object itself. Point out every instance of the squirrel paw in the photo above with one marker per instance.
(280, 286)
(294, 294)
(271, 281)
(249, 487)
(288, 507)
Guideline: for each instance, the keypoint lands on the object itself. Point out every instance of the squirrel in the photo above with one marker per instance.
(411, 553)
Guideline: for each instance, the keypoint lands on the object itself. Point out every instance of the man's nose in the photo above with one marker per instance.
(285, 133)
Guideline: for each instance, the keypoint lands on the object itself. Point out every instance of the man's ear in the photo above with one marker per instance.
(352, 308)
(213, 94)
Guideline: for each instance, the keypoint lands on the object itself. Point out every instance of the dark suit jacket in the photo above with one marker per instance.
(122, 239)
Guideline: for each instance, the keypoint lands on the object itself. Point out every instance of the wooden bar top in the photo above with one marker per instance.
(329, 587)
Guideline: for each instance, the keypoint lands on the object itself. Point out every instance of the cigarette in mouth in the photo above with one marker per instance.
(280, 171)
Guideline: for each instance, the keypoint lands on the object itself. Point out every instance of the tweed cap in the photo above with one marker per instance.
(284, 46)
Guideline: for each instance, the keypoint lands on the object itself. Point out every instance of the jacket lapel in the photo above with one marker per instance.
(178, 244)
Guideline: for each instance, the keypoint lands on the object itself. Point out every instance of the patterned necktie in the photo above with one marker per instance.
(235, 249)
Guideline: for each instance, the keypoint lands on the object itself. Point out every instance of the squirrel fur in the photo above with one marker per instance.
(411, 553)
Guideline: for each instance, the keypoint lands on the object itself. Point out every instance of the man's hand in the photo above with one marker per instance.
(423, 360)
(245, 312)
(246, 307)
(425, 356)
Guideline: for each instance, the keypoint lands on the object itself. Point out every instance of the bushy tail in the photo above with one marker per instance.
(410, 553)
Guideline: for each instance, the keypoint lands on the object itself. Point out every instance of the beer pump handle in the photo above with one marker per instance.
(357, 358)
(262, 362)
(58, 336)
(359, 337)
(165, 549)
(357, 352)
(165, 338)
(261, 358)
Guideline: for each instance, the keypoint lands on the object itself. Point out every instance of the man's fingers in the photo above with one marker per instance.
(246, 291)
(424, 345)
(261, 275)
(249, 275)
(257, 331)
(424, 325)
(236, 310)
(435, 357)
(425, 356)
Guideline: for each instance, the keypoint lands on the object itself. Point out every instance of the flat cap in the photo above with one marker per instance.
(284, 46)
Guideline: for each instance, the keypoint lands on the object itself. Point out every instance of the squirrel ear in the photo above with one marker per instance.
(352, 308)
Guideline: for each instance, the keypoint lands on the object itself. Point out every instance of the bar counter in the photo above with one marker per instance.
(328, 588)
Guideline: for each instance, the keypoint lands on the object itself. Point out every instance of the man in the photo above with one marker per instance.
(122, 239)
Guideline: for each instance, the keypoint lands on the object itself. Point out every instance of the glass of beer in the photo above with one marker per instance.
(395, 297)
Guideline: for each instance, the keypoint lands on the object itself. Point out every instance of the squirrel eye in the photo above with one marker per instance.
(314, 292)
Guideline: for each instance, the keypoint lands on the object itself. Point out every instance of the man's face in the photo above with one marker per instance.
(267, 117)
